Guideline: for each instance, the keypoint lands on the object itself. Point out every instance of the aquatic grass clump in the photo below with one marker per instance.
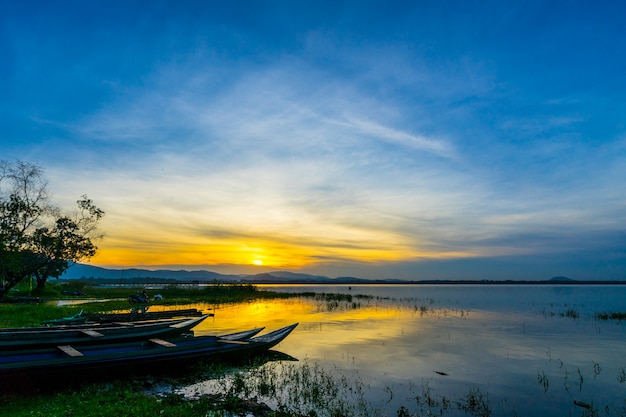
(578, 384)
(329, 302)
(428, 404)
(304, 389)
(611, 316)
(308, 390)
(421, 308)
(571, 313)
(476, 403)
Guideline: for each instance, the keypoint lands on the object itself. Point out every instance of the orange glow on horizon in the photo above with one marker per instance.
(285, 258)
(127, 248)
(268, 254)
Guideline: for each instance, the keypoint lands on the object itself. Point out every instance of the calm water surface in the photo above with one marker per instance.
(528, 350)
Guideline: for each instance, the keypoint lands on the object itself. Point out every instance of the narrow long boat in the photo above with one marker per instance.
(77, 318)
(145, 315)
(29, 338)
(155, 353)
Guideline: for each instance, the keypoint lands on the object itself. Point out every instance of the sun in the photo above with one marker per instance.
(257, 262)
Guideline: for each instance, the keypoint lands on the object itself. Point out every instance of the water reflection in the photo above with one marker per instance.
(517, 349)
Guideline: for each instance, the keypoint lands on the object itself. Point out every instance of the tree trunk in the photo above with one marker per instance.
(41, 281)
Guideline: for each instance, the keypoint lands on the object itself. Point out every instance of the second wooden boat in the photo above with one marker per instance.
(143, 314)
(26, 338)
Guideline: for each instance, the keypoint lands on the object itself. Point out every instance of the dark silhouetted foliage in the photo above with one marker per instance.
(36, 238)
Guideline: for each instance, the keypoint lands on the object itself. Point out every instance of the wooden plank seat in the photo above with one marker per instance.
(178, 325)
(70, 351)
(163, 343)
(91, 333)
(234, 342)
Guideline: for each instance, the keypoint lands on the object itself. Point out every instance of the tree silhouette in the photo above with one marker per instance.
(36, 238)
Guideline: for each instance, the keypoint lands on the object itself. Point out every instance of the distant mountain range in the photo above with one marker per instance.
(88, 272)
(82, 271)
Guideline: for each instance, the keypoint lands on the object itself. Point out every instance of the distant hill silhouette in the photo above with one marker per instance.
(82, 271)
(562, 279)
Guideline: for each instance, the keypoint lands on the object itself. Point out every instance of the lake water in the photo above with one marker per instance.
(499, 350)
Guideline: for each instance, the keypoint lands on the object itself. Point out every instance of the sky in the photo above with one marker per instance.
(393, 139)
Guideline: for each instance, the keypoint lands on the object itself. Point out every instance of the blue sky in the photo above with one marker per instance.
(416, 140)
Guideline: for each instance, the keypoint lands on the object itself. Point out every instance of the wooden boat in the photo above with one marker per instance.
(143, 315)
(76, 326)
(28, 338)
(243, 335)
(77, 318)
(77, 363)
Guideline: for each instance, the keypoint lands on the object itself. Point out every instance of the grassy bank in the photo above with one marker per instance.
(128, 399)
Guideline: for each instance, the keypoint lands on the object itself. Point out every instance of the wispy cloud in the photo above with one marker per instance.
(398, 137)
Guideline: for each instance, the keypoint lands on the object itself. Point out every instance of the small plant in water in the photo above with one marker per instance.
(596, 369)
(580, 380)
(571, 313)
(403, 412)
(475, 403)
(542, 378)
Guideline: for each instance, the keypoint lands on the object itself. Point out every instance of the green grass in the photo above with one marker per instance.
(173, 294)
(124, 399)
(32, 314)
